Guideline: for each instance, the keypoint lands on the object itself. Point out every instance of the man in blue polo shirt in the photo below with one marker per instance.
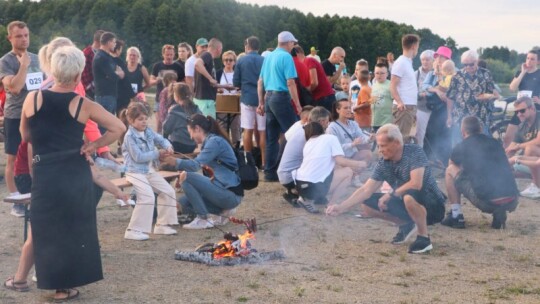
(277, 80)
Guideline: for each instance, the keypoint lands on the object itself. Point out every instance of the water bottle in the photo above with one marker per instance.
(109, 164)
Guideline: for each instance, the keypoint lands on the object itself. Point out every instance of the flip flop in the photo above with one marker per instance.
(16, 286)
(71, 294)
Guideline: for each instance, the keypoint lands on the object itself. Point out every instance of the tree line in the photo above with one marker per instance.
(149, 24)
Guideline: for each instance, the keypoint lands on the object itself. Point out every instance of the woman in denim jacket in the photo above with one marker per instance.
(215, 195)
(141, 159)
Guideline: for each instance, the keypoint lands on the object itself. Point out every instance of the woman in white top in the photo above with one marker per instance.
(314, 177)
(225, 77)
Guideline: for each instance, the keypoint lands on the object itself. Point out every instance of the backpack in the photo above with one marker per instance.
(247, 170)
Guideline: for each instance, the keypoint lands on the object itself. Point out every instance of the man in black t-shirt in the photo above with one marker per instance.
(337, 57)
(526, 83)
(106, 74)
(415, 200)
(480, 171)
(205, 78)
(167, 65)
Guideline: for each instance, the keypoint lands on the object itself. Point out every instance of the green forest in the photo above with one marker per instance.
(148, 24)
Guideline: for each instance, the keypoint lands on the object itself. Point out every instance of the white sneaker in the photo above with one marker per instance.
(135, 235)
(532, 191)
(199, 223)
(356, 181)
(164, 229)
(218, 220)
(17, 210)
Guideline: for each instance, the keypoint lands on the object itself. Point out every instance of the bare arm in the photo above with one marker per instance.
(514, 85)
(147, 79)
(15, 83)
(294, 94)
(94, 111)
(394, 82)
(30, 152)
(415, 183)
(337, 74)
(103, 182)
(346, 162)
(314, 79)
(199, 67)
(358, 197)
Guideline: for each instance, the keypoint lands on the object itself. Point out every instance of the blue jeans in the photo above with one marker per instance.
(108, 102)
(203, 197)
(280, 117)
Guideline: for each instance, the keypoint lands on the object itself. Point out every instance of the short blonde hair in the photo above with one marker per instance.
(136, 51)
(67, 64)
(46, 52)
(449, 67)
(391, 132)
(229, 53)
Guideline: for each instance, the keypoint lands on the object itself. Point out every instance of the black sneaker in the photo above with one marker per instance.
(499, 219)
(404, 233)
(454, 222)
(291, 198)
(271, 177)
(421, 245)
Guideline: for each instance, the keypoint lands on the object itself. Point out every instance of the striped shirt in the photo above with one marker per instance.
(398, 173)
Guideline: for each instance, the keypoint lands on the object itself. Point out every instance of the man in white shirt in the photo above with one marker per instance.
(403, 85)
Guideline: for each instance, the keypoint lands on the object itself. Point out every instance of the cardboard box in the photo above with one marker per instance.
(227, 103)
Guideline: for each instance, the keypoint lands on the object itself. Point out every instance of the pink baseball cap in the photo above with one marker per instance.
(443, 51)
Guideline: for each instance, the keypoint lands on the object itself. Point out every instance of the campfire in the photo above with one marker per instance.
(233, 250)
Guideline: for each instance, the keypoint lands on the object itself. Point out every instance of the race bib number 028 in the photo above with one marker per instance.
(33, 81)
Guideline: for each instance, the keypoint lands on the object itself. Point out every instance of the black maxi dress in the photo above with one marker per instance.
(63, 213)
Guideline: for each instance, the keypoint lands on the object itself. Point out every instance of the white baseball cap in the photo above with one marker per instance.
(286, 37)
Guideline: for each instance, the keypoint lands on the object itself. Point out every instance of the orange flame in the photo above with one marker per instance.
(229, 248)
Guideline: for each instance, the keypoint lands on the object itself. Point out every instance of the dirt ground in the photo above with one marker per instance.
(328, 260)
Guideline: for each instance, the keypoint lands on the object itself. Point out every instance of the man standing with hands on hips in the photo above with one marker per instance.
(19, 73)
(403, 85)
(277, 80)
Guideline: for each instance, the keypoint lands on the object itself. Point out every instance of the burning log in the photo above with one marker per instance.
(207, 258)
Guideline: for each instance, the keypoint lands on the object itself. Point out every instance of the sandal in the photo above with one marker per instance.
(21, 286)
(70, 294)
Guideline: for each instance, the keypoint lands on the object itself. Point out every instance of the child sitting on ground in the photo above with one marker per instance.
(141, 158)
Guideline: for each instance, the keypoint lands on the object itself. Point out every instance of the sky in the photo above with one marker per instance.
(472, 23)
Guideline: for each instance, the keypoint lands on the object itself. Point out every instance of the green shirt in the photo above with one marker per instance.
(382, 105)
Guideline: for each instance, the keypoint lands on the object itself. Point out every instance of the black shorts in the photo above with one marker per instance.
(315, 191)
(396, 206)
(12, 135)
(23, 182)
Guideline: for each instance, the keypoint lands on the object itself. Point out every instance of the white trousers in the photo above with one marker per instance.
(422, 119)
(145, 186)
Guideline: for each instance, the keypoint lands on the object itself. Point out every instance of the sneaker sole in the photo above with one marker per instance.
(530, 195)
(407, 237)
(428, 248)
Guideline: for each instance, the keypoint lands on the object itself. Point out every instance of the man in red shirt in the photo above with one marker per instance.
(320, 87)
(87, 77)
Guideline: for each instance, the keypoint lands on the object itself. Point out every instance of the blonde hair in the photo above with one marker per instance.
(46, 52)
(136, 51)
(391, 132)
(448, 68)
(229, 53)
(67, 64)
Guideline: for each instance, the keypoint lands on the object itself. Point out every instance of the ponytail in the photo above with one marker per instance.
(208, 125)
(123, 117)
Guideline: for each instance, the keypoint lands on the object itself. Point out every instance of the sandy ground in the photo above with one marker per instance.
(328, 260)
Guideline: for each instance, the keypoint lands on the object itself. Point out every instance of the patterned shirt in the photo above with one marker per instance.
(87, 76)
(398, 173)
(463, 90)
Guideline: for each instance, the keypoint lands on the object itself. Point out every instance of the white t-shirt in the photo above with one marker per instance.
(292, 154)
(318, 163)
(407, 87)
(227, 78)
(189, 68)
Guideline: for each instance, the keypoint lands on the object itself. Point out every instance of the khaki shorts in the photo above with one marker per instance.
(405, 120)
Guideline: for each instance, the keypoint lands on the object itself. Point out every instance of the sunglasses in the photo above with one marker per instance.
(467, 64)
(521, 111)
(228, 60)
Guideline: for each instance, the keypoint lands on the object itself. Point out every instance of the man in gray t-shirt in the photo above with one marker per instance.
(19, 73)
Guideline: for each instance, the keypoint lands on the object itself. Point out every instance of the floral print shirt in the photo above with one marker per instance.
(462, 91)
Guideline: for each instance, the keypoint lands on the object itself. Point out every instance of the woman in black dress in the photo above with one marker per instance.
(66, 246)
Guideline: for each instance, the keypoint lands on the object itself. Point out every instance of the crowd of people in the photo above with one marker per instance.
(319, 131)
